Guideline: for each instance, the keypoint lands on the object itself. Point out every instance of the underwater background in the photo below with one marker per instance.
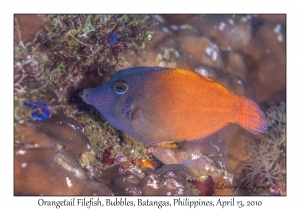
(63, 146)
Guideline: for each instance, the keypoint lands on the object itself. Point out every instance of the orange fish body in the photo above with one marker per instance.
(190, 106)
(171, 105)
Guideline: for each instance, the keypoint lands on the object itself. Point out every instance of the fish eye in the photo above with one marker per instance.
(120, 87)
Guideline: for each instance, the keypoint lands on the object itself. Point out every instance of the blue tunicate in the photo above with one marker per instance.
(40, 112)
(27, 60)
(113, 38)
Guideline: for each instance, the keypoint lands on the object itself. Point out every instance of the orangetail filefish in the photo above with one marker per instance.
(159, 105)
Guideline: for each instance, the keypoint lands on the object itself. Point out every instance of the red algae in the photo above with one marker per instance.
(106, 159)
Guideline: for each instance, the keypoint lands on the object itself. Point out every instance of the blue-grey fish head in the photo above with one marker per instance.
(116, 99)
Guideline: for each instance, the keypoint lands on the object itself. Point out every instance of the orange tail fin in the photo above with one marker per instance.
(251, 117)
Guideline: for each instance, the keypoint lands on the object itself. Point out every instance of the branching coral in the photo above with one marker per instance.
(262, 166)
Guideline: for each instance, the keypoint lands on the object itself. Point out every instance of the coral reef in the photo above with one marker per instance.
(46, 157)
(167, 180)
(71, 150)
(82, 47)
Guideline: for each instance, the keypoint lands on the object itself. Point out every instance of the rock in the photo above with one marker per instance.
(234, 64)
(236, 151)
(218, 28)
(122, 182)
(171, 156)
(242, 33)
(127, 185)
(269, 18)
(66, 131)
(46, 165)
(29, 26)
(266, 60)
(227, 32)
(166, 43)
(202, 50)
(178, 19)
(168, 180)
(209, 72)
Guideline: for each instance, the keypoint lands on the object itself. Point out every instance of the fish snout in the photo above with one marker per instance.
(86, 95)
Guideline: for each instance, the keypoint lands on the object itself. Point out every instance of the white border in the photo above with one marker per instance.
(8, 8)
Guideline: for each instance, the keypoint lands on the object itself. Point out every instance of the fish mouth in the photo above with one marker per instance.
(86, 95)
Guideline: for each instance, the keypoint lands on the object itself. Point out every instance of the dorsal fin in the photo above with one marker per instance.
(185, 62)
